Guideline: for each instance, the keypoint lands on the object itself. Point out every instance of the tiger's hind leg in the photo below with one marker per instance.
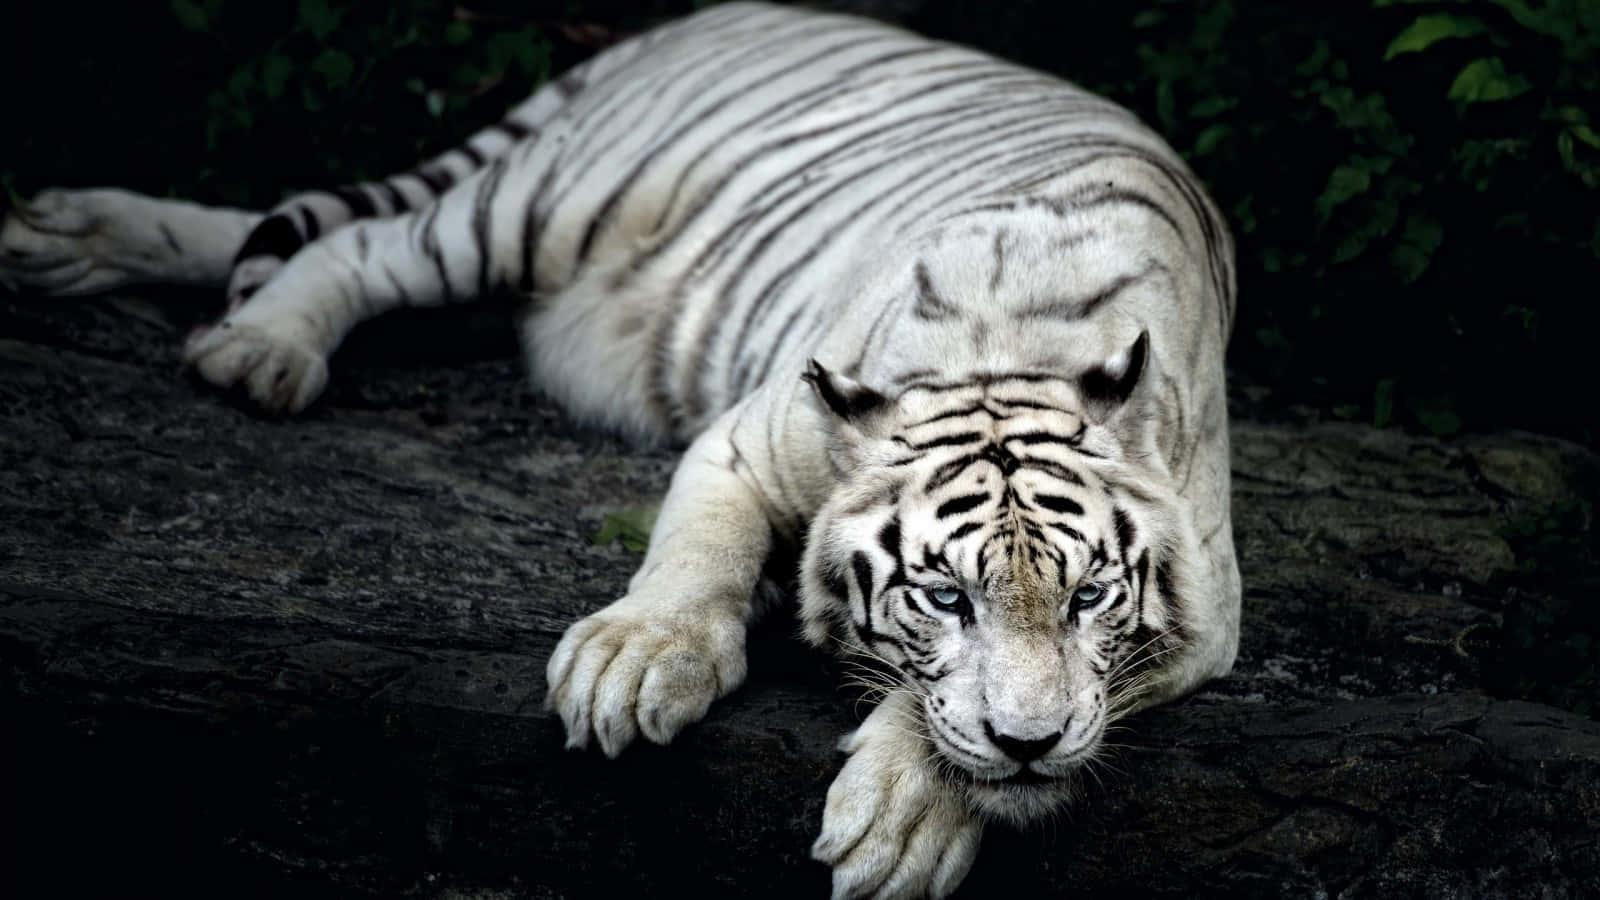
(305, 217)
(74, 242)
(470, 242)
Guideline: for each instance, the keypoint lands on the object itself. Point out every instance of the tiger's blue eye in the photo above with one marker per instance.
(1088, 595)
(948, 599)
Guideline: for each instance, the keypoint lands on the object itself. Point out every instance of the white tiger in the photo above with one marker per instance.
(954, 325)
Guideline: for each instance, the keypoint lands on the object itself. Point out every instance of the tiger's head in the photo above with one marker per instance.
(994, 550)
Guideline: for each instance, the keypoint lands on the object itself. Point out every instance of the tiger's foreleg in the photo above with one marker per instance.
(653, 661)
(892, 827)
(73, 242)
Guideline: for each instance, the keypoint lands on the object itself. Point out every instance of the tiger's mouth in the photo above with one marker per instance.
(1027, 777)
(1022, 797)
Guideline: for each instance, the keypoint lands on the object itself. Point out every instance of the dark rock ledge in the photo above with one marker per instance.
(305, 658)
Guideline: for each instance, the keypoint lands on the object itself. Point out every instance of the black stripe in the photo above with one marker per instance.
(952, 414)
(397, 200)
(533, 231)
(960, 505)
(513, 129)
(427, 239)
(1164, 578)
(930, 306)
(862, 568)
(482, 222)
(308, 223)
(1125, 531)
(437, 180)
(1059, 504)
(950, 471)
(1029, 438)
(361, 206)
(1067, 530)
(889, 538)
(961, 531)
(1055, 470)
(1073, 310)
(275, 237)
(1001, 457)
(171, 239)
(949, 440)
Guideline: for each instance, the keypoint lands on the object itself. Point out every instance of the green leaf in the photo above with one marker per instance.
(1383, 403)
(190, 15)
(335, 67)
(1345, 182)
(1208, 139)
(1313, 64)
(1212, 106)
(632, 526)
(1427, 30)
(317, 17)
(1422, 236)
(434, 100)
(275, 70)
(1485, 80)
(457, 33)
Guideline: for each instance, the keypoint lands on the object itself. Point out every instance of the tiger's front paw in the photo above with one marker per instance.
(623, 671)
(891, 826)
(278, 360)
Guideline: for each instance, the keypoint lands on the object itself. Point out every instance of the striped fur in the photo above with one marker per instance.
(953, 326)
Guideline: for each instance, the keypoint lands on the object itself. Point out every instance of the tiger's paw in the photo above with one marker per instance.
(63, 242)
(623, 672)
(67, 243)
(248, 277)
(275, 359)
(891, 827)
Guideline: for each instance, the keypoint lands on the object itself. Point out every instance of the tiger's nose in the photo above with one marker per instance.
(1019, 749)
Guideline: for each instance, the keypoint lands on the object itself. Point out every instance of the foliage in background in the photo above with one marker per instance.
(238, 102)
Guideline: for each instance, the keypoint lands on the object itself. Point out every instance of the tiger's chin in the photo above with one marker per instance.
(1020, 799)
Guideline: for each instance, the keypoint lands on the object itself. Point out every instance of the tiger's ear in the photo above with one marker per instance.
(1105, 389)
(850, 401)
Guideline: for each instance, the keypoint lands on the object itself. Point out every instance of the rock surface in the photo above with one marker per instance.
(305, 657)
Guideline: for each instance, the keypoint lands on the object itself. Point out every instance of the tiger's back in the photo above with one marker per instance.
(792, 153)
